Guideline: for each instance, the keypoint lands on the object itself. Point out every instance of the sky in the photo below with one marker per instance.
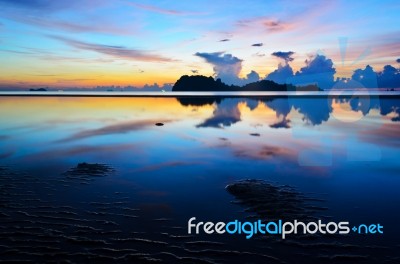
(87, 43)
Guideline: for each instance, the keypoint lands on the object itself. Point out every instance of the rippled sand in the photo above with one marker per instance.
(37, 226)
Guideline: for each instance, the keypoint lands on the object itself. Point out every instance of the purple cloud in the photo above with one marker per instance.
(119, 52)
(105, 27)
(160, 10)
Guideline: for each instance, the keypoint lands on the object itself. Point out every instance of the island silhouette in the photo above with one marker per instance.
(200, 83)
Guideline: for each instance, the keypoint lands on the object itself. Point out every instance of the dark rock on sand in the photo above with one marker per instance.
(89, 169)
(272, 201)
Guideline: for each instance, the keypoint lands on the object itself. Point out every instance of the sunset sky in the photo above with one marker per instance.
(87, 43)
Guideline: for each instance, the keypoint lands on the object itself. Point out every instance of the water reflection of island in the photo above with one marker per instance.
(314, 111)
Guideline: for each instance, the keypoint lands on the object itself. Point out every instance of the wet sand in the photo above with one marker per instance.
(36, 225)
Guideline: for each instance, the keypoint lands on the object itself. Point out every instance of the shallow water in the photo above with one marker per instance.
(340, 155)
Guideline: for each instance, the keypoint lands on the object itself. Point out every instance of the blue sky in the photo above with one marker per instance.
(100, 42)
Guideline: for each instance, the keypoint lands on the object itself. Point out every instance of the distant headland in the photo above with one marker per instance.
(200, 83)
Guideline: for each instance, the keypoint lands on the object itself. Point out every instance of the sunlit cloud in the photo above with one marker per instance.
(276, 25)
(227, 67)
(265, 24)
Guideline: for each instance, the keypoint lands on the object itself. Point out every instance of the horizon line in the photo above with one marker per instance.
(394, 93)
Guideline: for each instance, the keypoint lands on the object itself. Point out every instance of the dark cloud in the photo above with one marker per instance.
(120, 128)
(319, 70)
(284, 71)
(367, 77)
(281, 75)
(389, 77)
(398, 60)
(285, 55)
(285, 123)
(219, 58)
(252, 77)
(257, 45)
(224, 40)
(194, 71)
(227, 67)
(119, 52)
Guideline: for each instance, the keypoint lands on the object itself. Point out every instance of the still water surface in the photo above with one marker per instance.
(344, 152)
